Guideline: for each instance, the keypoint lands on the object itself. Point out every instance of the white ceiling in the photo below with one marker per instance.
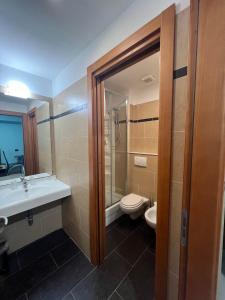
(42, 36)
(131, 78)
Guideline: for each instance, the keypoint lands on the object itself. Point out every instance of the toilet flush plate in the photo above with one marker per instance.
(140, 161)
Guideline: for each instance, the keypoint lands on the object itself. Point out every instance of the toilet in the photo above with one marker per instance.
(133, 205)
(151, 216)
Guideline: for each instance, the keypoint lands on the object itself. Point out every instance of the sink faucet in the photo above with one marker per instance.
(23, 178)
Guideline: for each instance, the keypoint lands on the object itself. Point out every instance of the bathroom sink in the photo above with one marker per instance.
(14, 199)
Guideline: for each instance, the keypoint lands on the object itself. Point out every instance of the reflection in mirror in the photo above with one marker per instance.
(25, 137)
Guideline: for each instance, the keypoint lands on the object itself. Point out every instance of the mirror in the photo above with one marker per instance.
(25, 137)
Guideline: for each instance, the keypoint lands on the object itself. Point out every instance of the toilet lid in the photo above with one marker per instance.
(132, 200)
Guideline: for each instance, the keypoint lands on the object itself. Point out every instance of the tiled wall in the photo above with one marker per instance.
(71, 158)
(47, 219)
(115, 147)
(143, 140)
(44, 138)
(72, 155)
(143, 136)
(179, 116)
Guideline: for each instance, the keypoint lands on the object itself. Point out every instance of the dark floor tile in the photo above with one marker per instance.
(101, 283)
(223, 262)
(115, 296)
(139, 284)
(40, 247)
(111, 225)
(113, 239)
(57, 285)
(23, 297)
(64, 252)
(134, 245)
(24, 280)
(68, 297)
(126, 225)
(151, 233)
(12, 266)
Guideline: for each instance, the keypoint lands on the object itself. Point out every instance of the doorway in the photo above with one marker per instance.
(22, 151)
(154, 36)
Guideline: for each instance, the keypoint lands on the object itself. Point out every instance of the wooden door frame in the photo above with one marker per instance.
(204, 151)
(32, 141)
(139, 45)
(28, 158)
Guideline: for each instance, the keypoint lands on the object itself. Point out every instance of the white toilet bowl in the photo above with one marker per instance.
(151, 216)
(133, 205)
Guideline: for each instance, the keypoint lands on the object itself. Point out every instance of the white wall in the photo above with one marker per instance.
(36, 84)
(135, 16)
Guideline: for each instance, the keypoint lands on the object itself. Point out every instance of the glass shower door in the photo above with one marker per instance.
(115, 147)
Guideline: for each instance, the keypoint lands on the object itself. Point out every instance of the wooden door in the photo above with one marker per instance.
(205, 187)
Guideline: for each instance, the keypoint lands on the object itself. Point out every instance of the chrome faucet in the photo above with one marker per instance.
(23, 178)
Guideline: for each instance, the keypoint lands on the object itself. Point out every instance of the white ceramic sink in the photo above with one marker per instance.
(14, 199)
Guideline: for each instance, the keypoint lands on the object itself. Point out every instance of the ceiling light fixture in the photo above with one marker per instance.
(17, 89)
(148, 79)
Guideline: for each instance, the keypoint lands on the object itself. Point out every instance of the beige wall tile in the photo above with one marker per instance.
(180, 98)
(44, 148)
(178, 156)
(151, 129)
(71, 152)
(180, 103)
(42, 112)
(173, 282)
(175, 223)
(181, 38)
(75, 95)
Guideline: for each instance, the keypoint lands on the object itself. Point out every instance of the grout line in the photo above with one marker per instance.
(52, 273)
(119, 295)
(81, 281)
(52, 257)
(81, 250)
(110, 297)
(69, 293)
(123, 258)
(125, 276)
(39, 257)
(18, 261)
(126, 237)
(137, 260)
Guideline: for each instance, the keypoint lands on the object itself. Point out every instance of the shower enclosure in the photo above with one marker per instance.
(115, 147)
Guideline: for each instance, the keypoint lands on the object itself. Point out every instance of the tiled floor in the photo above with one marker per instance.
(54, 268)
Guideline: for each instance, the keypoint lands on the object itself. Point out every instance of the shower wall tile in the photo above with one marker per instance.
(141, 180)
(71, 155)
(143, 139)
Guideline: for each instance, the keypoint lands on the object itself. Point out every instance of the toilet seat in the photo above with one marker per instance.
(133, 205)
(132, 201)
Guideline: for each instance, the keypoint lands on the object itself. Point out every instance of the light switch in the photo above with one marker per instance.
(140, 161)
